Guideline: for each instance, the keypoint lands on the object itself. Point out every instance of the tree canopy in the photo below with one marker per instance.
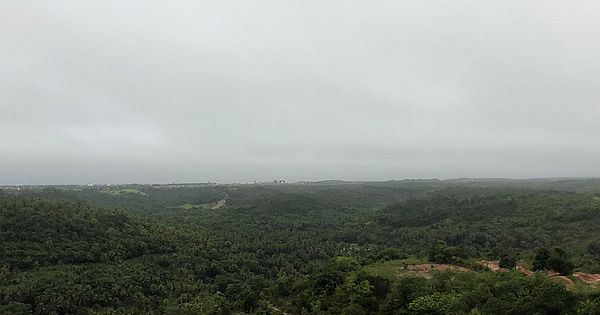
(331, 248)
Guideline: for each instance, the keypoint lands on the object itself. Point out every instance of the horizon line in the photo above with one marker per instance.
(291, 182)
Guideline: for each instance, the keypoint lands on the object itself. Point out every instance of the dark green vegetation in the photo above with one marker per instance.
(321, 248)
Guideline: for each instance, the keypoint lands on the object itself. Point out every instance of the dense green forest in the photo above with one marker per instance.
(310, 248)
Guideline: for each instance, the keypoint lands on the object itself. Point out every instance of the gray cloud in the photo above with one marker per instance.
(161, 91)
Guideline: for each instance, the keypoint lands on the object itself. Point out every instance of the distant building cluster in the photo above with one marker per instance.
(11, 188)
(159, 186)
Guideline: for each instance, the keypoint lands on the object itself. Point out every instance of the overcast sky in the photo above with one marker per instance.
(193, 91)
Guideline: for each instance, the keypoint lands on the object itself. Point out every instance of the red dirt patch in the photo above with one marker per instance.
(552, 273)
(492, 265)
(424, 270)
(563, 279)
(524, 270)
(587, 278)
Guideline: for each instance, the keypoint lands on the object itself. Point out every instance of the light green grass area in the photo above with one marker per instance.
(189, 206)
(391, 269)
(118, 192)
(213, 205)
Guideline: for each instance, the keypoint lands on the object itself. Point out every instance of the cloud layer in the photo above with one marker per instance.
(162, 91)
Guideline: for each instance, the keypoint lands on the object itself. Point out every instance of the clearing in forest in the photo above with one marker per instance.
(410, 267)
(415, 267)
(213, 205)
(568, 280)
(118, 192)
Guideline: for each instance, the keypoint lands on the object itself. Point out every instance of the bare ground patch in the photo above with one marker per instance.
(424, 270)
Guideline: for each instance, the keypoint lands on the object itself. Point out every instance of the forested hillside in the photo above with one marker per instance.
(404, 247)
(36, 233)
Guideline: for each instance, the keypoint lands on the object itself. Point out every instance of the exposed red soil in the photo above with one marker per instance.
(424, 270)
(563, 279)
(552, 273)
(492, 265)
(587, 278)
(524, 270)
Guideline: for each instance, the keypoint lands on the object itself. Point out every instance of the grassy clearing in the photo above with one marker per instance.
(189, 206)
(391, 269)
(215, 205)
(118, 192)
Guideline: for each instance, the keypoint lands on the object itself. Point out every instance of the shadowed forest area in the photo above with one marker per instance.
(397, 247)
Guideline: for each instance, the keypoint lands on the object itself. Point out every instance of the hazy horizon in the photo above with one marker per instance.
(236, 91)
(268, 181)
